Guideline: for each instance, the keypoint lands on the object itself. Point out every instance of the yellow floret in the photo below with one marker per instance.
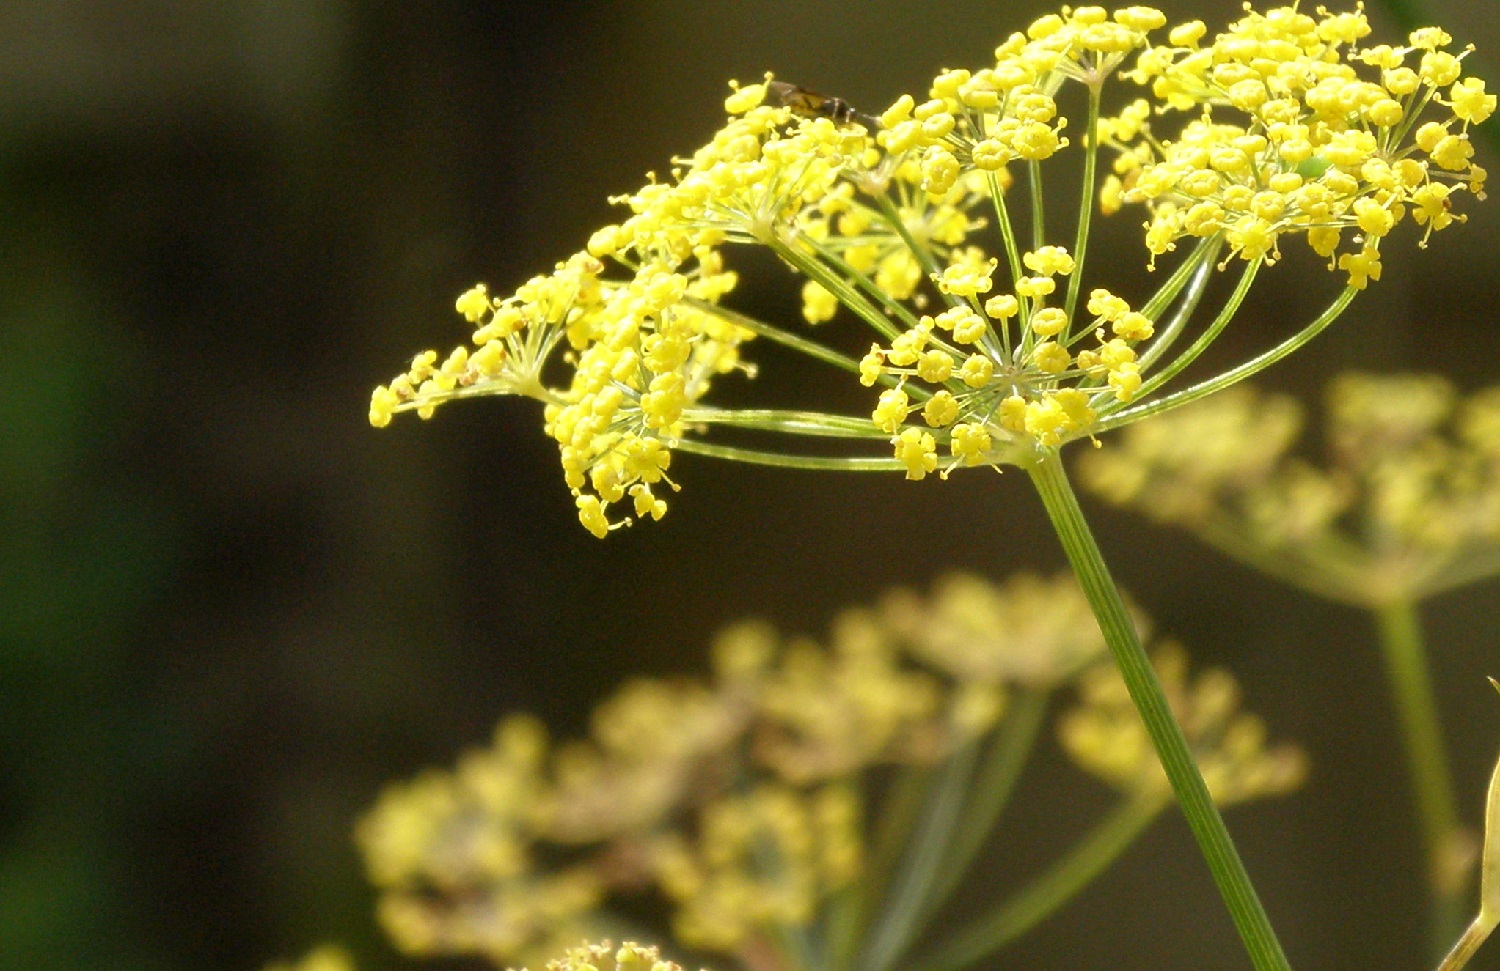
(892, 410)
(473, 303)
(917, 450)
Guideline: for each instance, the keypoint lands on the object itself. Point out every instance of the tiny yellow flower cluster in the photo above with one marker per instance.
(604, 956)
(1299, 131)
(1407, 505)
(325, 958)
(641, 350)
(744, 801)
(1105, 734)
(988, 396)
(1030, 630)
(989, 118)
(761, 859)
(848, 227)
(452, 857)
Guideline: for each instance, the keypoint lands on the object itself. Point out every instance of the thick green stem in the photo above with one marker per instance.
(1043, 896)
(1406, 668)
(1146, 692)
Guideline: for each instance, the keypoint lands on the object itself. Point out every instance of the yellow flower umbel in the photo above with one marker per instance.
(605, 956)
(1406, 506)
(452, 855)
(750, 802)
(1299, 130)
(993, 342)
(1031, 631)
(1105, 735)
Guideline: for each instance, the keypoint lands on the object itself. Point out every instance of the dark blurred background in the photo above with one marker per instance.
(230, 610)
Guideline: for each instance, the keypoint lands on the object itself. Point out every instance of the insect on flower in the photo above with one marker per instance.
(810, 104)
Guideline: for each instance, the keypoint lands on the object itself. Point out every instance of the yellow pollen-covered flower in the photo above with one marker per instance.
(1035, 286)
(1002, 306)
(1050, 357)
(1470, 104)
(871, 366)
(977, 370)
(967, 277)
(969, 442)
(818, 305)
(1049, 322)
(941, 409)
(1362, 267)
(473, 304)
(745, 98)
(892, 410)
(1049, 261)
(935, 366)
(917, 450)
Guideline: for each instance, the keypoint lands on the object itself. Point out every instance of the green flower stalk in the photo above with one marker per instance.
(993, 339)
(1405, 506)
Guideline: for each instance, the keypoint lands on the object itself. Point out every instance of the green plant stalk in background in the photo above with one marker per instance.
(956, 826)
(1443, 836)
(1044, 895)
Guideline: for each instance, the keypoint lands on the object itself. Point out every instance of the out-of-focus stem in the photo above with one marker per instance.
(1406, 667)
(1043, 896)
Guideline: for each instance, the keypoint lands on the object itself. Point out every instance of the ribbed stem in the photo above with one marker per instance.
(1146, 692)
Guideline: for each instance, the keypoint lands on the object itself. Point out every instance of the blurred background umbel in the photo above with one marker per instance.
(229, 609)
